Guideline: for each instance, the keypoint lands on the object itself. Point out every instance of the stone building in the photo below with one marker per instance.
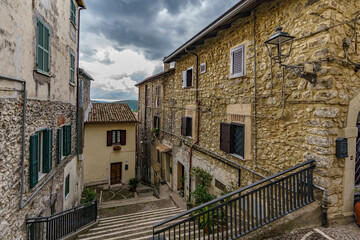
(225, 97)
(110, 145)
(40, 157)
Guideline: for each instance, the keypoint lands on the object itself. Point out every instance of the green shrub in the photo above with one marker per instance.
(87, 196)
(133, 182)
(202, 195)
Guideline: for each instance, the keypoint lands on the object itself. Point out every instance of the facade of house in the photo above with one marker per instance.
(110, 145)
(227, 100)
(40, 169)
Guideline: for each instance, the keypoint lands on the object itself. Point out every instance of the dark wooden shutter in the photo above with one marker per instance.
(189, 78)
(50, 148)
(188, 126)
(123, 137)
(34, 158)
(183, 126)
(59, 144)
(225, 137)
(46, 151)
(109, 138)
(68, 139)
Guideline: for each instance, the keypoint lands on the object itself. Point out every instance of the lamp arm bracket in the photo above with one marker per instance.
(299, 72)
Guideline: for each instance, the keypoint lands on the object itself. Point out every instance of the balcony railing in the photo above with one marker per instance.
(242, 211)
(61, 224)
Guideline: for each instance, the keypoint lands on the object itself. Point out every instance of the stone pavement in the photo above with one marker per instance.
(346, 232)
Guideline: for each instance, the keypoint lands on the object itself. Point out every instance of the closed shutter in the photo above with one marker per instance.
(225, 137)
(237, 58)
(34, 158)
(189, 75)
(46, 152)
(183, 126)
(68, 139)
(188, 126)
(73, 12)
(40, 43)
(50, 148)
(46, 48)
(109, 138)
(59, 145)
(123, 137)
(184, 79)
(64, 141)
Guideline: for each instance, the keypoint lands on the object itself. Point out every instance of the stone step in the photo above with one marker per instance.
(131, 215)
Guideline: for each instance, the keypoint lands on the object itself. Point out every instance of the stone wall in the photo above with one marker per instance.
(305, 125)
(40, 114)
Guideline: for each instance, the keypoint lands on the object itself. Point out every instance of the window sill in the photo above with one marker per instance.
(237, 76)
(47, 74)
(237, 156)
(41, 176)
(67, 195)
(187, 87)
(72, 84)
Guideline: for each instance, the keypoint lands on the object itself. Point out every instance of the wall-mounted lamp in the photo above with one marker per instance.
(277, 46)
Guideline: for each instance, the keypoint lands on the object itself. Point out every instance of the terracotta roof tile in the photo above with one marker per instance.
(111, 113)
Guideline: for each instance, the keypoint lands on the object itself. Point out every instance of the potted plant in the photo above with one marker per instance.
(357, 204)
(116, 147)
(133, 182)
(155, 131)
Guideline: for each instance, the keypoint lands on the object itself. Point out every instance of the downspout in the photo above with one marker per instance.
(23, 134)
(77, 87)
(198, 115)
(324, 206)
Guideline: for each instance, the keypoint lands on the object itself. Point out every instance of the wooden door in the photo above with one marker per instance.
(116, 173)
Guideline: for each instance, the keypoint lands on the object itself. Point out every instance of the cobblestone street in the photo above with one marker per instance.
(348, 232)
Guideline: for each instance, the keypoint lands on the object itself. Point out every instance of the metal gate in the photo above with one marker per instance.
(357, 159)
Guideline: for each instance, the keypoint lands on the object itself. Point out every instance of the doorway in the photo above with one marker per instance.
(180, 176)
(116, 169)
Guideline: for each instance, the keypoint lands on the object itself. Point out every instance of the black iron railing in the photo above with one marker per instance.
(61, 224)
(242, 211)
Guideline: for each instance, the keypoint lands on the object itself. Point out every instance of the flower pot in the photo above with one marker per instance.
(133, 189)
(357, 212)
(221, 228)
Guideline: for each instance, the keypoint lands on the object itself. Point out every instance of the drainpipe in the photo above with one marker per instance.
(77, 87)
(198, 115)
(23, 133)
(324, 206)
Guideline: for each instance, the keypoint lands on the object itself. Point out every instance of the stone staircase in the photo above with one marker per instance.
(129, 226)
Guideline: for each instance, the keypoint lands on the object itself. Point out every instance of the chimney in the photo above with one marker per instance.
(166, 66)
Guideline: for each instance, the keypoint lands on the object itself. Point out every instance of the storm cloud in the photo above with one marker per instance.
(112, 31)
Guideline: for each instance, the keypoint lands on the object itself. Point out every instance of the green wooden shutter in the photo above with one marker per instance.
(45, 149)
(59, 144)
(46, 49)
(40, 43)
(68, 139)
(73, 12)
(72, 68)
(34, 158)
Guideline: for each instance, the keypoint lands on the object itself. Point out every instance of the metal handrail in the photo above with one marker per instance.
(222, 198)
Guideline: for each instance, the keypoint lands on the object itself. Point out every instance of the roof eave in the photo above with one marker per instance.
(81, 3)
(241, 6)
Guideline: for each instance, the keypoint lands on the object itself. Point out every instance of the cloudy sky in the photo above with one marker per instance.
(124, 41)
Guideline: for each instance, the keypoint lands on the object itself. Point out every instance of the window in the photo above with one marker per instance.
(232, 138)
(156, 122)
(40, 155)
(147, 96)
(186, 126)
(64, 142)
(157, 96)
(73, 12)
(116, 137)
(238, 61)
(72, 68)
(187, 78)
(203, 68)
(67, 185)
(42, 50)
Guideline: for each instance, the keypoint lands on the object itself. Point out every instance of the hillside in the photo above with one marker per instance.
(133, 104)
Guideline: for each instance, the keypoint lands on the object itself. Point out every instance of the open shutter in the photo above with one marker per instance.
(188, 126)
(109, 138)
(189, 76)
(34, 158)
(225, 137)
(50, 148)
(68, 139)
(184, 82)
(238, 61)
(59, 144)
(123, 137)
(46, 152)
(46, 48)
(183, 126)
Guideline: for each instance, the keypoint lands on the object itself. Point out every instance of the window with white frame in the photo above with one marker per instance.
(238, 61)
(187, 78)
